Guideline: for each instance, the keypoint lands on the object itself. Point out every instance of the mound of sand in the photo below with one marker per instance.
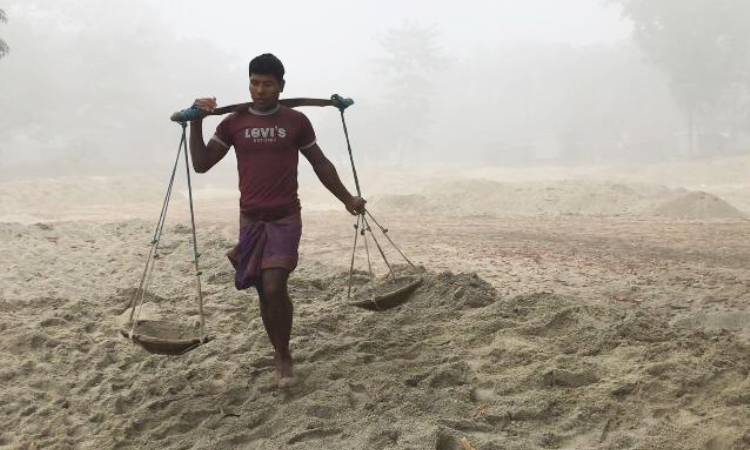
(457, 361)
(572, 197)
(579, 197)
(123, 197)
(697, 205)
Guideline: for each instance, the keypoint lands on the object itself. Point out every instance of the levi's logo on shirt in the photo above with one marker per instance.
(266, 134)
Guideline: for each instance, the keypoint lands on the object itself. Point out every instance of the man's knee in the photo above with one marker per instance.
(274, 284)
(274, 291)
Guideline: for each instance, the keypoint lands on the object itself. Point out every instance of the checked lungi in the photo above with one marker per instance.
(264, 244)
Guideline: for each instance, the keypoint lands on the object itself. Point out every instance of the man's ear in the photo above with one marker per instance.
(283, 82)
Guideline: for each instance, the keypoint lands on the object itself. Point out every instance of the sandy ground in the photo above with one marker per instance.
(557, 314)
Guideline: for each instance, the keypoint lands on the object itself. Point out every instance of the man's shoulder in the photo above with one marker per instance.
(231, 117)
(291, 112)
(239, 119)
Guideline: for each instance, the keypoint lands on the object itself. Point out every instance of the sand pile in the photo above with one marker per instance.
(572, 197)
(457, 361)
(124, 197)
(580, 197)
(697, 205)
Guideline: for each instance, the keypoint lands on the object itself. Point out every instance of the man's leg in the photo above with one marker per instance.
(264, 315)
(276, 311)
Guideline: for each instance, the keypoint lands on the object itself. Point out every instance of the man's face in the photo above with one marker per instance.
(265, 90)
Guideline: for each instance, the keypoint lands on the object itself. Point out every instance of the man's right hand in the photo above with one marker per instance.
(355, 205)
(207, 104)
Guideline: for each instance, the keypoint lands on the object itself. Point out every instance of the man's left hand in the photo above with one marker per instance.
(356, 205)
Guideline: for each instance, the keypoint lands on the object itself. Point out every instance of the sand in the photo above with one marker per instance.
(603, 329)
(568, 197)
(698, 205)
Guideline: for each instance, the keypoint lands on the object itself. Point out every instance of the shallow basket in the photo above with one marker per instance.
(165, 338)
(387, 295)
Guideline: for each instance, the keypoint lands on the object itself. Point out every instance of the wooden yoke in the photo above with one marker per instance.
(193, 113)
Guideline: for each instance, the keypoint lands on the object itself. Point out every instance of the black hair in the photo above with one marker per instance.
(267, 64)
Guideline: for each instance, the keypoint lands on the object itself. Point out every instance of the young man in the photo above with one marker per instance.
(267, 138)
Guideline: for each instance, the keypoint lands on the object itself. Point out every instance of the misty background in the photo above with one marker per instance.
(86, 87)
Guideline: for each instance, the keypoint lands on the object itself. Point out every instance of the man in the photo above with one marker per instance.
(267, 138)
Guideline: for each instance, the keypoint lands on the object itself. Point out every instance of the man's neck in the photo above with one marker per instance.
(265, 110)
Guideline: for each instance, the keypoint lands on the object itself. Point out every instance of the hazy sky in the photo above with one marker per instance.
(111, 67)
(337, 33)
(352, 23)
(331, 43)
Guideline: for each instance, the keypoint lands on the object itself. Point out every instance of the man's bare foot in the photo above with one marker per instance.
(285, 376)
(276, 367)
(287, 382)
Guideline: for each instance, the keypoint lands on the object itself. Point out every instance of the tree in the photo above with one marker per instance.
(4, 49)
(412, 55)
(704, 46)
(99, 89)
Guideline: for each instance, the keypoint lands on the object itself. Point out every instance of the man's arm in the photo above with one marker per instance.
(327, 175)
(204, 156)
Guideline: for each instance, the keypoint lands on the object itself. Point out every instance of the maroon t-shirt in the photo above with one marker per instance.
(267, 145)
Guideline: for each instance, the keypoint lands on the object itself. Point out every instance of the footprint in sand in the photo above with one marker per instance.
(185, 422)
(321, 411)
(483, 394)
(452, 375)
(357, 395)
(53, 322)
(380, 439)
(258, 418)
(445, 441)
(569, 379)
(318, 433)
(243, 441)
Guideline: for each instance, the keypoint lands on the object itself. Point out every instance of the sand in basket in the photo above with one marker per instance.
(388, 294)
(165, 338)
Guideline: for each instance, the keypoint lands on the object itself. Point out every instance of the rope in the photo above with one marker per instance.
(380, 249)
(148, 271)
(367, 250)
(361, 218)
(354, 249)
(385, 233)
(139, 295)
(196, 255)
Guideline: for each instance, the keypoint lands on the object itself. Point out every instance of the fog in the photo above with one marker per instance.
(87, 87)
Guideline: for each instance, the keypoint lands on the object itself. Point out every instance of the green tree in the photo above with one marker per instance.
(704, 46)
(4, 49)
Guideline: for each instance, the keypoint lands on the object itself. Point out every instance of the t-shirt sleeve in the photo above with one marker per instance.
(306, 136)
(223, 133)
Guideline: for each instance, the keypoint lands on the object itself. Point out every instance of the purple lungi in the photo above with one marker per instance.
(265, 244)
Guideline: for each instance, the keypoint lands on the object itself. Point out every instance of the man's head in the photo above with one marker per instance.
(266, 81)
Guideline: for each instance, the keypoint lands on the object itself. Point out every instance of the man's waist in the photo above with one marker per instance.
(269, 213)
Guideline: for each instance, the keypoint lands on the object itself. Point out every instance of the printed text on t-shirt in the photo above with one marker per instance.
(267, 134)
